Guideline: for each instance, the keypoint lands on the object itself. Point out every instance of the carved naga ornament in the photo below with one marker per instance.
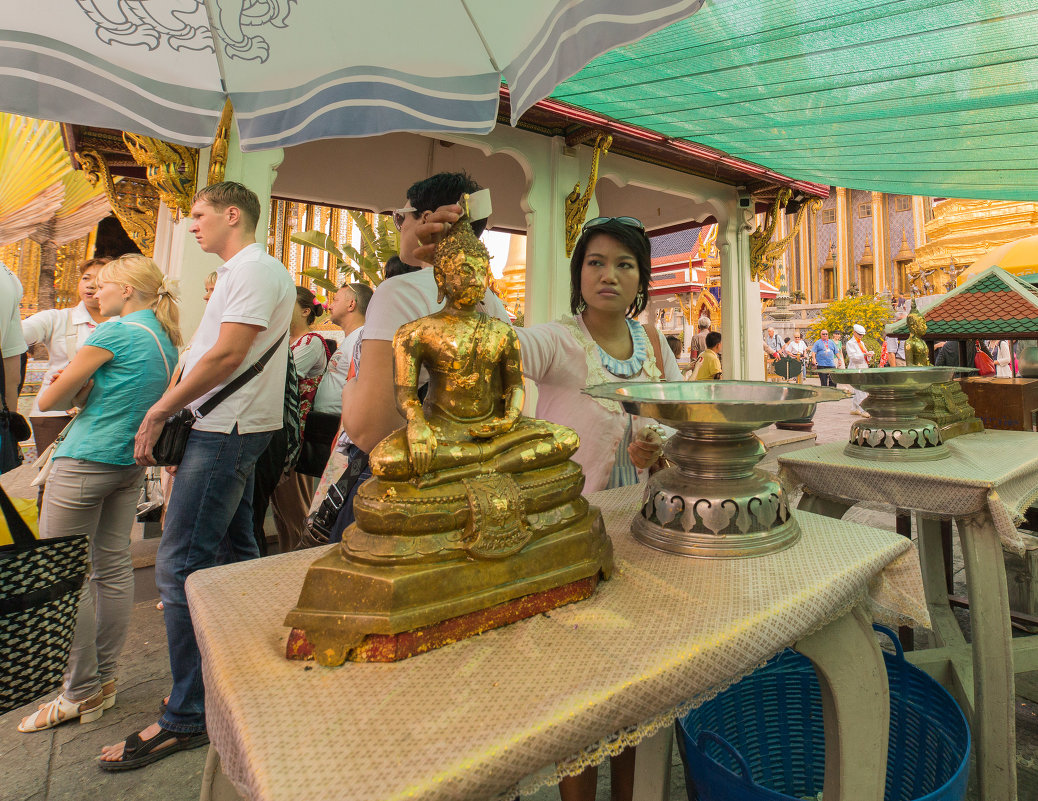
(133, 202)
(763, 252)
(576, 203)
(170, 168)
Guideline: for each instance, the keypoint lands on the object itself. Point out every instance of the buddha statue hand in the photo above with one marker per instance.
(495, 426)
(421, 442)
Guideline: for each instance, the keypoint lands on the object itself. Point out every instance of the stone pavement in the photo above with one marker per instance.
(59, 764)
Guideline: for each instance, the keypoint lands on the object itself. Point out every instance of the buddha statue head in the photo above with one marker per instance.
(461, 266)
(916, 322)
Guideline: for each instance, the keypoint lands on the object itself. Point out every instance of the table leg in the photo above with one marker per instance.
(994, 723)
(215, 785)
(951, 663)
(903, 526)
(855, 706)
(652, 766)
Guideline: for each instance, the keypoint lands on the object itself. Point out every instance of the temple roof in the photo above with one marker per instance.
(993, 304)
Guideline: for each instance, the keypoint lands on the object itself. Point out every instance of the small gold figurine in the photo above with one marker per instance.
(474, 516)
(470, 424)
(916, 352)
(946, 403)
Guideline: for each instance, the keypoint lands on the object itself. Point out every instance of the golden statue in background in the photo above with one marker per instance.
(473, 517)
(916, 352)
(946, 403)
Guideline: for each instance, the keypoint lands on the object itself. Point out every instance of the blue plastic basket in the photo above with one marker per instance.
(763, 738)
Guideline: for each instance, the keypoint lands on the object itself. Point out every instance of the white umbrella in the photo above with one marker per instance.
(300, 70)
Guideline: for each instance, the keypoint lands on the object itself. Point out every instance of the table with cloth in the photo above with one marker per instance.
(519, 707)
(984, 486)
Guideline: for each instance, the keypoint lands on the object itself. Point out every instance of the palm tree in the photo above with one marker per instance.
(366, 264)
(41, 196)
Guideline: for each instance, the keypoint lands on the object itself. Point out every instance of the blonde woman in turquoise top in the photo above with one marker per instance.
(116, 376)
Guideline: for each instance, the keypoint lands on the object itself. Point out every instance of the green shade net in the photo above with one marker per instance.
(915, 97)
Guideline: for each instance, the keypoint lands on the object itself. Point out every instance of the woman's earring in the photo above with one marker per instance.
(581, 306)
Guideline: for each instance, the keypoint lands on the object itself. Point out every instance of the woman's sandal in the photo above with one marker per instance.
(137, 752)
(108, 694)
(61, 709)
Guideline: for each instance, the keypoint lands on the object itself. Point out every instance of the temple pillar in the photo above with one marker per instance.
(844, 243)
(176, 251)
(554, 171)
(881, 272)
(809, 270)
(742, 354)
(919, 221)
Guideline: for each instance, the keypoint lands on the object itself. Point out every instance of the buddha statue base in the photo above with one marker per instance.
(948, 406)
(365, 611)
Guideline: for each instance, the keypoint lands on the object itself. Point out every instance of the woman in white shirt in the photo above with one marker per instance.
(310, 351)
(858, 356)
(63, 331)
(1002, 355)
(600, 343)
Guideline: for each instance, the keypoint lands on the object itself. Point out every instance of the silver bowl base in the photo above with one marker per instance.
(715, 546)
(882, 454)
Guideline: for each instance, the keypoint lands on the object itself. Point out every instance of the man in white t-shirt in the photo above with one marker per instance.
(12, 343)
(209, 515)
(347, 310)
(369, 412)
(369, 403)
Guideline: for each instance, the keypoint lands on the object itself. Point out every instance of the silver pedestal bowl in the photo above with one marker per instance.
(713, 502)
(894, 431)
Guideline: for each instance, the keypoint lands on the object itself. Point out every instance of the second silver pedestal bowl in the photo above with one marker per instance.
(713, 501)
(894, 431)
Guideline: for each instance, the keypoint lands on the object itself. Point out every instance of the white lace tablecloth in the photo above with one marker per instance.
(477, 719)
(996, 471)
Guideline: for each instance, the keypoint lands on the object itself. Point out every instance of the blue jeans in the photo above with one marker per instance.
(208, 522)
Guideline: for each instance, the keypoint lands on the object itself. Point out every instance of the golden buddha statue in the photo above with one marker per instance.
(916, 352)
(946, 403)
(473, 517)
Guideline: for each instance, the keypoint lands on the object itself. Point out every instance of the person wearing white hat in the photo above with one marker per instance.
(858, 356)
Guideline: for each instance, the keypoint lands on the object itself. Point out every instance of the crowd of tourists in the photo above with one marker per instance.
(119, 371)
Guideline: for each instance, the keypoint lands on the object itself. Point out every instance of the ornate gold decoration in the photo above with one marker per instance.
(218, 153)
(964, 230)
(576, 204)
(763, 252)
(135, 203)
(471, 505)
(170, 168)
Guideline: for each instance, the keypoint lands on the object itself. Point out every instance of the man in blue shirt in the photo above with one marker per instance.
(823, 354)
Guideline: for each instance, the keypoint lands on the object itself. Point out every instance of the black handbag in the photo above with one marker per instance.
(320, 525)
(40, 581)
(172, 441)
(318, 438)
(13, 429)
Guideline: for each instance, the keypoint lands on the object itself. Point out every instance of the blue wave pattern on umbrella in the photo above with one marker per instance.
(300, 70)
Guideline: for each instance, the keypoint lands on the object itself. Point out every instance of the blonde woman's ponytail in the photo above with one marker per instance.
(154, 288)
(167, 312)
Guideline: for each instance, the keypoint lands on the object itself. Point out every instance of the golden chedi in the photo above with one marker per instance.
(946, 403)
(474, 516)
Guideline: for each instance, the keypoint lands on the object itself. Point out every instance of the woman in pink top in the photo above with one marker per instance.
(601, 342)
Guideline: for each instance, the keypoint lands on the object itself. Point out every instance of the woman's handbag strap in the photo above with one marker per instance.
(21, 534)
(154, 336)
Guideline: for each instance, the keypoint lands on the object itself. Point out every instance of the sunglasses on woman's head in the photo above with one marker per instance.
(633, 222)
(401, 214)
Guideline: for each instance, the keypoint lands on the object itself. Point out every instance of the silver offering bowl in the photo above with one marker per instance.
(713, 501)
(894, 431)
